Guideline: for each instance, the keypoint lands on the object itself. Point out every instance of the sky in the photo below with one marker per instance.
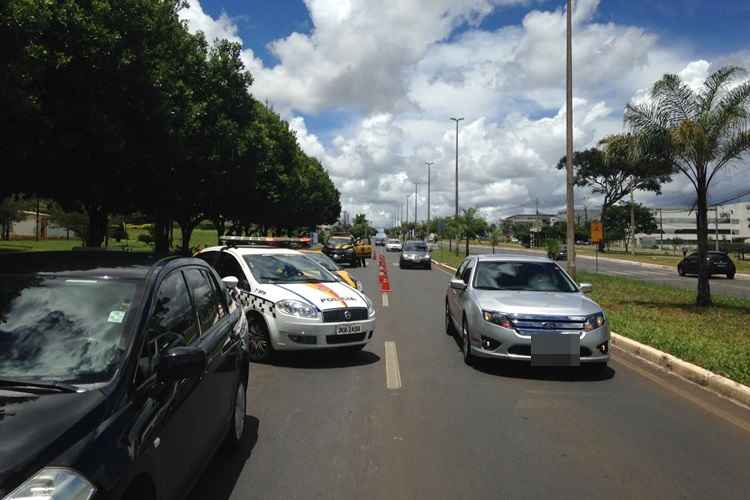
(369, 86)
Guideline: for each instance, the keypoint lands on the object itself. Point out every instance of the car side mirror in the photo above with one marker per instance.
(458, 284)
(586, 287)
(231, 282)
(180, 363)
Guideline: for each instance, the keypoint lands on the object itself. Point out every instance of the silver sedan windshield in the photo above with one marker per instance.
(522, 276)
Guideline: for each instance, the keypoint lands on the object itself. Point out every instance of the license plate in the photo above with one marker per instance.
(556, 350)
(345, 329)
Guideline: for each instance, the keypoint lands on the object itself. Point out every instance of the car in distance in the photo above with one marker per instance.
(292, 303)
(718, 263)
(112, 365)
(393, 245)
(561, 254)
(524, 308)
(380, 238)
(331, 266)
(415, 254)
(341, 249)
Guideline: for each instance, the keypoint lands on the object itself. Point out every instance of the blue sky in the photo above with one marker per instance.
(369, 87)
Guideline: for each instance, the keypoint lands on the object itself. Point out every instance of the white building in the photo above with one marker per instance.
(728, 222)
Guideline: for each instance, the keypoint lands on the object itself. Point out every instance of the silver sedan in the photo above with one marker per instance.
(525, 308)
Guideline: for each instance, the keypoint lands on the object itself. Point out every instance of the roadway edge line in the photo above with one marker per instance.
(392, 371)
(713, 382)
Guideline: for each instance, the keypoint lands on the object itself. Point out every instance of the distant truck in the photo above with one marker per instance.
(380, 238)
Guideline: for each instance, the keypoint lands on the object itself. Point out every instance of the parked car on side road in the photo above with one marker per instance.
(120, 374)
(393, 245)
(293, 303)
(415, 254)
(718, 262)
(341, 248)
(524, 308)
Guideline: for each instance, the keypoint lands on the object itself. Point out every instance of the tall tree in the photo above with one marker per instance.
(472, 224)
(617, 169)
(700, 132)
(618, 219)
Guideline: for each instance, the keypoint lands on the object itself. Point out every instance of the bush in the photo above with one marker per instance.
(552, 246)
(205, 224)
(146, 238)
(118, 232)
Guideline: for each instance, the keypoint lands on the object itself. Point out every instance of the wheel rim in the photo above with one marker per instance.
(258, 345)
(239, 412)
(447, 318)
(466, 341)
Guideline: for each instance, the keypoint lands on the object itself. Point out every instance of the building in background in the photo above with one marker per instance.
(582, 215)
(26, 228)
(730, 223)
(532, 219)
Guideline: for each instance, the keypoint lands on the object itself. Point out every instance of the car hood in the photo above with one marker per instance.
(324, 296)
(36, 428)
(537, 303)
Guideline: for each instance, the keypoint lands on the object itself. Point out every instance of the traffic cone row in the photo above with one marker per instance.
(385, 284)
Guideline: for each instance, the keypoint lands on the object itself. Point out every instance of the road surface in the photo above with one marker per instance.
(738, 287)
(326, 425)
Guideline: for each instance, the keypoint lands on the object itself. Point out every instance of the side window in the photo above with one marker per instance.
(205, 298)
(173, 313)
(218, 293)
(460, 270)
(228, 266)
(467, 272)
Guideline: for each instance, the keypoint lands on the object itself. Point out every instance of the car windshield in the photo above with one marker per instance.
(415, 247)
(323, 260)
(62, 329)
(339, 241)
(394, 242)
(522, 276)
(283, 268)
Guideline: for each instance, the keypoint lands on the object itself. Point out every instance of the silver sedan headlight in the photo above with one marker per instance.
(297, 308)
(594, 321)
(370, 307)
(54, 483)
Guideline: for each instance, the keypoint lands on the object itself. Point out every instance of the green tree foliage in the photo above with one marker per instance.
(700, 133)
(618, 222)
(471, 224)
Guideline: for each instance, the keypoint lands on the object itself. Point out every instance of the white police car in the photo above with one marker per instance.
(291, 302)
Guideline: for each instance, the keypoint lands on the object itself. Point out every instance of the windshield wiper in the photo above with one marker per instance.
(35, 384)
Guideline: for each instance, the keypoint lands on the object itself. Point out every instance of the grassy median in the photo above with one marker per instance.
(664, 317)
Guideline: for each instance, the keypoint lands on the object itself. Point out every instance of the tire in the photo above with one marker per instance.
(450, 330)
(142, 489)
(429, 266)
(353, 348)
(596, 368)
(730, 276)
(260, 348)
(468, 356)
(239, 411)
(680, 271)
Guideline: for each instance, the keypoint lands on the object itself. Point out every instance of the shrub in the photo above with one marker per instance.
(146, 238)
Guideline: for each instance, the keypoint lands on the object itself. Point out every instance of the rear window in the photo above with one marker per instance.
(415, 247)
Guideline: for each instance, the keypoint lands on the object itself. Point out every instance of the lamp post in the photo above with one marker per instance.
(429, 164)
(569, 194)
(457, 120)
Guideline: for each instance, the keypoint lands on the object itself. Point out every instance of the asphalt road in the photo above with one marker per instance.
(738, 287)
(326, 426)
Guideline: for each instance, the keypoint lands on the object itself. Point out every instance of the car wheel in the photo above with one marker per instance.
(449, 328)
(429, 266)
(239, 410)
(259, 342)
(466, 344)
(680, 271)
(730, 276)
(596, 368)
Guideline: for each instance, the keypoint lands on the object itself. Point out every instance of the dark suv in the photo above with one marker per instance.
(719, 263)
(120, 374)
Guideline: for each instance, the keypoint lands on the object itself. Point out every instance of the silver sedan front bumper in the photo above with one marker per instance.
(491, 341)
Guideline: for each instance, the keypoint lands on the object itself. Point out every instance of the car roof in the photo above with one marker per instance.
(511, 257)
(117, 264)
(253, 250)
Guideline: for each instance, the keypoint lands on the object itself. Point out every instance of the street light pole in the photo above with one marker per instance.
(429, 164)
(456, 120)
(570, 202)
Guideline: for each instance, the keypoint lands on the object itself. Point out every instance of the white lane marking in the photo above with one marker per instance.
(385, 299)
(392, 372)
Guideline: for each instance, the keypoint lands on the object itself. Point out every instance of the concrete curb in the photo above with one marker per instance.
(712, 381)
(708, 379)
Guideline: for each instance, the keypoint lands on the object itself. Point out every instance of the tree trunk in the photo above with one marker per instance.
(221, 227)
(450, 245)
(161, 234)
(467, 246)
(97, 226)
(186, 226)
(704, 288)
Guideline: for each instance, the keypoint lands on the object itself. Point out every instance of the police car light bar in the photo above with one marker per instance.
(265, 241)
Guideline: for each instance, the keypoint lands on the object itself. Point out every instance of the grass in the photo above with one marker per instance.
(664, 317)
(202, 237)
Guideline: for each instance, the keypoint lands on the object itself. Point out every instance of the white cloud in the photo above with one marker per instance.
(401, 69)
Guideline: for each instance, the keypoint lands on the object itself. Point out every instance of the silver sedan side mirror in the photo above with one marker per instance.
(458, 284)
(586, 287)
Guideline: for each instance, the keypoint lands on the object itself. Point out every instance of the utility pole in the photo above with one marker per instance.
(429, 164)
(456, 120)
(416, 186)
(569, 194)
(661, 230)
(632, 223)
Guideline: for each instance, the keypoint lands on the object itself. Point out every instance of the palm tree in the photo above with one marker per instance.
(495, 236)
(700, 132)
(471, 224)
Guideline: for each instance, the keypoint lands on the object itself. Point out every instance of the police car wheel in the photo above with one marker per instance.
(259, 342)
